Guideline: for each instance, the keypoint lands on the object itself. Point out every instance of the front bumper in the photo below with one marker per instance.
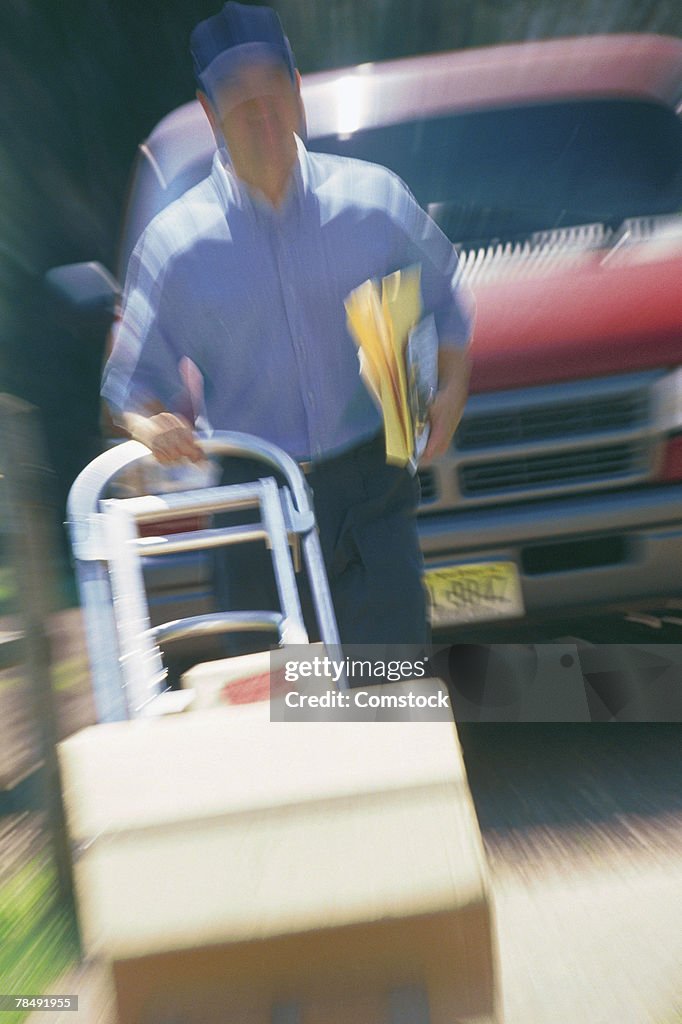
(639, 532)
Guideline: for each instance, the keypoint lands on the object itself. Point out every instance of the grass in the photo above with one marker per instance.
(71, 673)
(61, 581)
(68, 674)
(7, 590)
(38, 938)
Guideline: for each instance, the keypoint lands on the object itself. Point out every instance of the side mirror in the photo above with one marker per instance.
(85, 295)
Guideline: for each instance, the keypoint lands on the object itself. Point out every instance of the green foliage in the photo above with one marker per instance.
(38, 939)
(7, 590)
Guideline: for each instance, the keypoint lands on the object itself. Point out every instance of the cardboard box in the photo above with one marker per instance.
(243, 679)
(234, 869)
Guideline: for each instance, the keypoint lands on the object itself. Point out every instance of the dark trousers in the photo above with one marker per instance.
(365, 512)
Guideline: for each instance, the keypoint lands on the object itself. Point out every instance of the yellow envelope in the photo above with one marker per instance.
(380, 323)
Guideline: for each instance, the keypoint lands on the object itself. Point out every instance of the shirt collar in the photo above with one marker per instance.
(232, 191)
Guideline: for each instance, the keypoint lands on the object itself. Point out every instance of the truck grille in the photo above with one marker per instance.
(545, 422)
(552, 470)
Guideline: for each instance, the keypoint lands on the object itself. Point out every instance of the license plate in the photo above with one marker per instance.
(475, 592)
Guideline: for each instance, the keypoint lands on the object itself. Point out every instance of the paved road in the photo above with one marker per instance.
(583, 828)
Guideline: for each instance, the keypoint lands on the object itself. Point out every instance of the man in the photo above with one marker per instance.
(246, 276)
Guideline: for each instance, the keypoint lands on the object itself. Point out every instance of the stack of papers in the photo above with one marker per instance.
(398, 355)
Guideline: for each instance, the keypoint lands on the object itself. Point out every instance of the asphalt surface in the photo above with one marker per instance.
(582, 824)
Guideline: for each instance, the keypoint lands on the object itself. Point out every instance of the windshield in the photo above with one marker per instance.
(501, 175)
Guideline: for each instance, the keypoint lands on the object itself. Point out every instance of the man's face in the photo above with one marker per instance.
(258, 110)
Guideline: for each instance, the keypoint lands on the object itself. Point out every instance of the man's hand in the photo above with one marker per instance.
(169, 437)
(448, 405)
(444, 417)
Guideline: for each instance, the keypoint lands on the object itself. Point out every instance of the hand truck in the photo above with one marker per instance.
(168, 867)
(128, 674)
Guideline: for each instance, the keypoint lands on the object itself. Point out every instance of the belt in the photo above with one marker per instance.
(307, 466)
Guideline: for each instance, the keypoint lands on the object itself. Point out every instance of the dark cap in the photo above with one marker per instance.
(240, 31)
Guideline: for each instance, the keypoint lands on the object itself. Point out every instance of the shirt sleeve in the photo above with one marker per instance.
(144, 365)
(444, 292)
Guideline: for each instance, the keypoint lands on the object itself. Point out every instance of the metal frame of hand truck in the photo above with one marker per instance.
(128, 674)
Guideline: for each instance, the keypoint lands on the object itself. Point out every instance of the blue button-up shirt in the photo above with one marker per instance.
(254, 297)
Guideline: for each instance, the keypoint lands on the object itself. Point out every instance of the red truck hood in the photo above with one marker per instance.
(608, 312)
